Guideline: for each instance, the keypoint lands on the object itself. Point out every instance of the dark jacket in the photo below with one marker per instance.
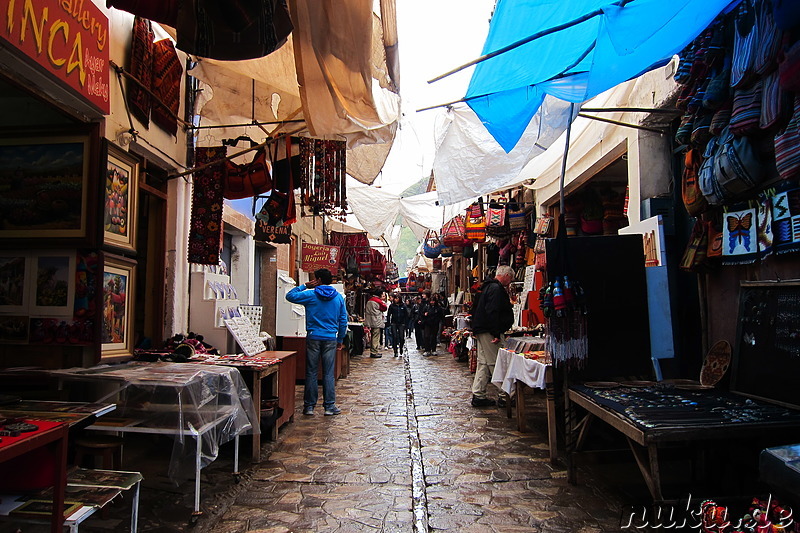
(431, 314)
(494, 313)
(398, 314)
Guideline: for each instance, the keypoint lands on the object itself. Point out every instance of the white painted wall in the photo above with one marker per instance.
(594, 145)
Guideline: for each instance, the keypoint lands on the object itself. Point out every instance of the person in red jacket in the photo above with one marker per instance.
(373, 319)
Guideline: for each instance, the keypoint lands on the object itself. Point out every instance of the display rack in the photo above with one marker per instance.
(213, 299)
(245, 335)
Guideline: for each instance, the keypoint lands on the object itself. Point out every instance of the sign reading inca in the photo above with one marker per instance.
(68, 38)
(316, 256)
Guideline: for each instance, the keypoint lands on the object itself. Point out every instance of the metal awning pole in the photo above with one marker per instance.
(564, 162)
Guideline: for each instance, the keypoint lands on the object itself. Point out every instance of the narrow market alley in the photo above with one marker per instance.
(408, 447)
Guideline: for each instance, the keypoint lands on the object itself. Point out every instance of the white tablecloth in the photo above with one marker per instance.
(512, 367)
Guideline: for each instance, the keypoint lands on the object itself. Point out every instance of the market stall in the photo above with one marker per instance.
(201, 407)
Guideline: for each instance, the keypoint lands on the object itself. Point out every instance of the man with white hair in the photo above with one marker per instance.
(493, 316)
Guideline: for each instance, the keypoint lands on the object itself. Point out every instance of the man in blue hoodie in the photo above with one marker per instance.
(326, 327)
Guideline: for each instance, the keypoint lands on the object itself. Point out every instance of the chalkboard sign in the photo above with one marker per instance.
(766, 359)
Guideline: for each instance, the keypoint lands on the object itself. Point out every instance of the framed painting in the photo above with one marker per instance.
(119, 277)
(120, 195)
(53, 279)
(47, 187)
(14, 282)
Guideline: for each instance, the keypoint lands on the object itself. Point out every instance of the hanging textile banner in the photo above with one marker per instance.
(316, 256)
(272, 234)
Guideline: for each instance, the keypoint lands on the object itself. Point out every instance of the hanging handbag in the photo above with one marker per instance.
(745, 38)
(786, 13)
(774, 104)
(496, 222)
(475, 227)
(705, 175)
(769, 40)
(469, 251)
(431, 246)
(453, 231)
(693, 198)
(249, 179)
(736, 166)
(516, 217)
(696, 254)
(787, 146)
(721, 118)
(789, 67)
(746, 112)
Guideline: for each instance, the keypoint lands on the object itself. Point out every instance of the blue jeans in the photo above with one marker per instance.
(316, 350)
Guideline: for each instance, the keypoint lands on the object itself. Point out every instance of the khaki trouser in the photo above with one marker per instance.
(487, 356)
(374, 341)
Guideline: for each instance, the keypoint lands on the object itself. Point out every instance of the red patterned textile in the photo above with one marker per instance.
(141, 67)
(167, 73)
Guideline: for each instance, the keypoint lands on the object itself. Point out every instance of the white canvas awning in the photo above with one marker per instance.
(331, 80)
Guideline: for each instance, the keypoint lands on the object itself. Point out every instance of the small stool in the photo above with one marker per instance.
(108, 446)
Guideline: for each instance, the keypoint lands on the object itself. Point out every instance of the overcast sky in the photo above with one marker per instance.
(435, 36)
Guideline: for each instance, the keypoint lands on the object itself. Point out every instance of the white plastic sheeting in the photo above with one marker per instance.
(469, 162)
(378, 209)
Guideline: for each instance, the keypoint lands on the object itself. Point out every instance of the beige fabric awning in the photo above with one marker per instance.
(330, 81)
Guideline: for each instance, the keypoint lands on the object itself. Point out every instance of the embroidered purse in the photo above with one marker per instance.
(453, 231)
(475, 227)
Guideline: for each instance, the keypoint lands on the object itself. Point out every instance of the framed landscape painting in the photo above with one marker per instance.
(120, 196)
(119, 276)
(47, 187)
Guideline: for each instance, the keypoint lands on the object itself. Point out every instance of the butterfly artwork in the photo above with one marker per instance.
(739, 226)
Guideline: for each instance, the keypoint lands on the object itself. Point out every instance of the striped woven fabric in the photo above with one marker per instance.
(744, 43)
(746, 113)
(787, 150)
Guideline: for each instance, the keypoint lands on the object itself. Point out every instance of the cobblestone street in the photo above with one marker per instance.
(360, 471)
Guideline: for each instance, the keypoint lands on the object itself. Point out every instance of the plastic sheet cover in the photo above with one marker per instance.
(579, 62)
(204, 404)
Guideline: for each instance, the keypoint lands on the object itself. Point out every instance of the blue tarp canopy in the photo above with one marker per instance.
(624, 40)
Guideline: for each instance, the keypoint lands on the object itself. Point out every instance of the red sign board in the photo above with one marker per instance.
(68, 38)
(316, 256)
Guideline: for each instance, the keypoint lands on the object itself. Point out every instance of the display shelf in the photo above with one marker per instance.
(213, 298)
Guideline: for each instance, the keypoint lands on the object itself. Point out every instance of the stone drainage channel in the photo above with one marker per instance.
(419, 497)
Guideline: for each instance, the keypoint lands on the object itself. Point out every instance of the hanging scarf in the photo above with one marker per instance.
(564, 306)
(739, 235)
(205, 232)
(786, 218)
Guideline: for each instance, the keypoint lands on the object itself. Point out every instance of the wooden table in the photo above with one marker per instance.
(513, 373)
(56, 437)
(644, 442)
(276, 370)
(298, 344)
